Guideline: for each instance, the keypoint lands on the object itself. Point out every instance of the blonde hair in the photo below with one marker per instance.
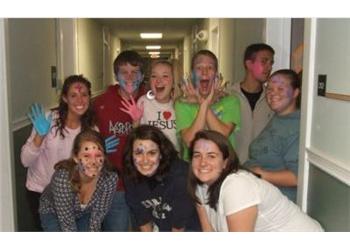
(175, 74)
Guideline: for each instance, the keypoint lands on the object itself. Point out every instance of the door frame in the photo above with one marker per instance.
(7, 208)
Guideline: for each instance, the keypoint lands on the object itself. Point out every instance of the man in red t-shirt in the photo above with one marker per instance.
(111, 120)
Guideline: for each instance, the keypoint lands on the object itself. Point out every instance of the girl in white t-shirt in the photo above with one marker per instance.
(231, 199)
(156, 108)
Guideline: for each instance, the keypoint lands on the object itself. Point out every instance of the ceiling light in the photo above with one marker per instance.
(148, 47)
(151, 35)
(154, 52)
(154, 56)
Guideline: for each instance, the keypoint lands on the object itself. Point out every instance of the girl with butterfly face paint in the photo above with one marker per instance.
(81, 190)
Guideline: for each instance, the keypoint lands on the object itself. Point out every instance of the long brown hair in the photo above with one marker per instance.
(167, 151)
(70, 165)
(87, 119)
(228, 154)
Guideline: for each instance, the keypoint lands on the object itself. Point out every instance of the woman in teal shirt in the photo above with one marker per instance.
(274, 153)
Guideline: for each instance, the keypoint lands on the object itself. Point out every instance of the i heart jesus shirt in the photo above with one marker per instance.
(160, 115)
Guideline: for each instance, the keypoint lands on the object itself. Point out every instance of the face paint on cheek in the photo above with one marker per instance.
(127, 87)
(140, 150)
(195, 79)
(137, 81)
(257, 69)
(91, 161)
(121, 80)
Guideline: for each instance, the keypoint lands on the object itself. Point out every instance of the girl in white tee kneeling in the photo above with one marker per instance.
(232, 199)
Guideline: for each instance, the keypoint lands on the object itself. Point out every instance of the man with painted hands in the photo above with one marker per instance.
(207, 109)
(112, 120)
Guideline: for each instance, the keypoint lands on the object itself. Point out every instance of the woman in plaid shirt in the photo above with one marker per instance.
(81, 189)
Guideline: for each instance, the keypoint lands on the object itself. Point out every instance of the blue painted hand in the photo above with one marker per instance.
(40, 122)
(111, 144)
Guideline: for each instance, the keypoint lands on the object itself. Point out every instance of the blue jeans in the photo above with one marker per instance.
(117, 218)
(50, 223)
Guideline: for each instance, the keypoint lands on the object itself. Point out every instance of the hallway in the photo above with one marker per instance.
(37, 54)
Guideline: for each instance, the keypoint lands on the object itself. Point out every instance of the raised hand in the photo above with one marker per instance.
(40, 122)
(132, 109)
(190, 94)
(111, 144)
(219, 86)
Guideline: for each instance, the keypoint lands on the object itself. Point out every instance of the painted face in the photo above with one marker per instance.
(203, 74)
(261, 66)
(280, 95)
(146, 157)
(161, 82)
(129, 78)
(90, 159)
(77, 99)
(207, 161)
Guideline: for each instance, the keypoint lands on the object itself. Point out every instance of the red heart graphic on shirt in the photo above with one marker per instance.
(166, 115)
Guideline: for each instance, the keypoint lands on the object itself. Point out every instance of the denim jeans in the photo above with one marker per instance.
(50, 223)
(117, 218)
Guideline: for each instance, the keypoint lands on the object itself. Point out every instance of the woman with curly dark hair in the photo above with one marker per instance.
(53, 134)
(155, 180)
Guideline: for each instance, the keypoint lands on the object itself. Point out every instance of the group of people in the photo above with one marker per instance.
(154, 160)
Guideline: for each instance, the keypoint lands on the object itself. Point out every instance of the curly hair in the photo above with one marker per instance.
(167, 151)
(87, 120)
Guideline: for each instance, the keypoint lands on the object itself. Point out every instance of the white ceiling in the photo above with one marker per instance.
(128, 31)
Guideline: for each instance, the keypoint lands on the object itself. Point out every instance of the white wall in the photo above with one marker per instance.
(7, 211)
(32, 52)
(115, 50)
(187, 52)
(278, 35)
(226, 48)
(246, 32)
(67, 47)
(325, 123)
(331, 118)
(90, 52)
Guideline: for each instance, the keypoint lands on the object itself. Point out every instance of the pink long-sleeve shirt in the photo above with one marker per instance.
(41, 160)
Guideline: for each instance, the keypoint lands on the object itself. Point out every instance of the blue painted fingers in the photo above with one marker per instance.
(40, 122)
(111, 144)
